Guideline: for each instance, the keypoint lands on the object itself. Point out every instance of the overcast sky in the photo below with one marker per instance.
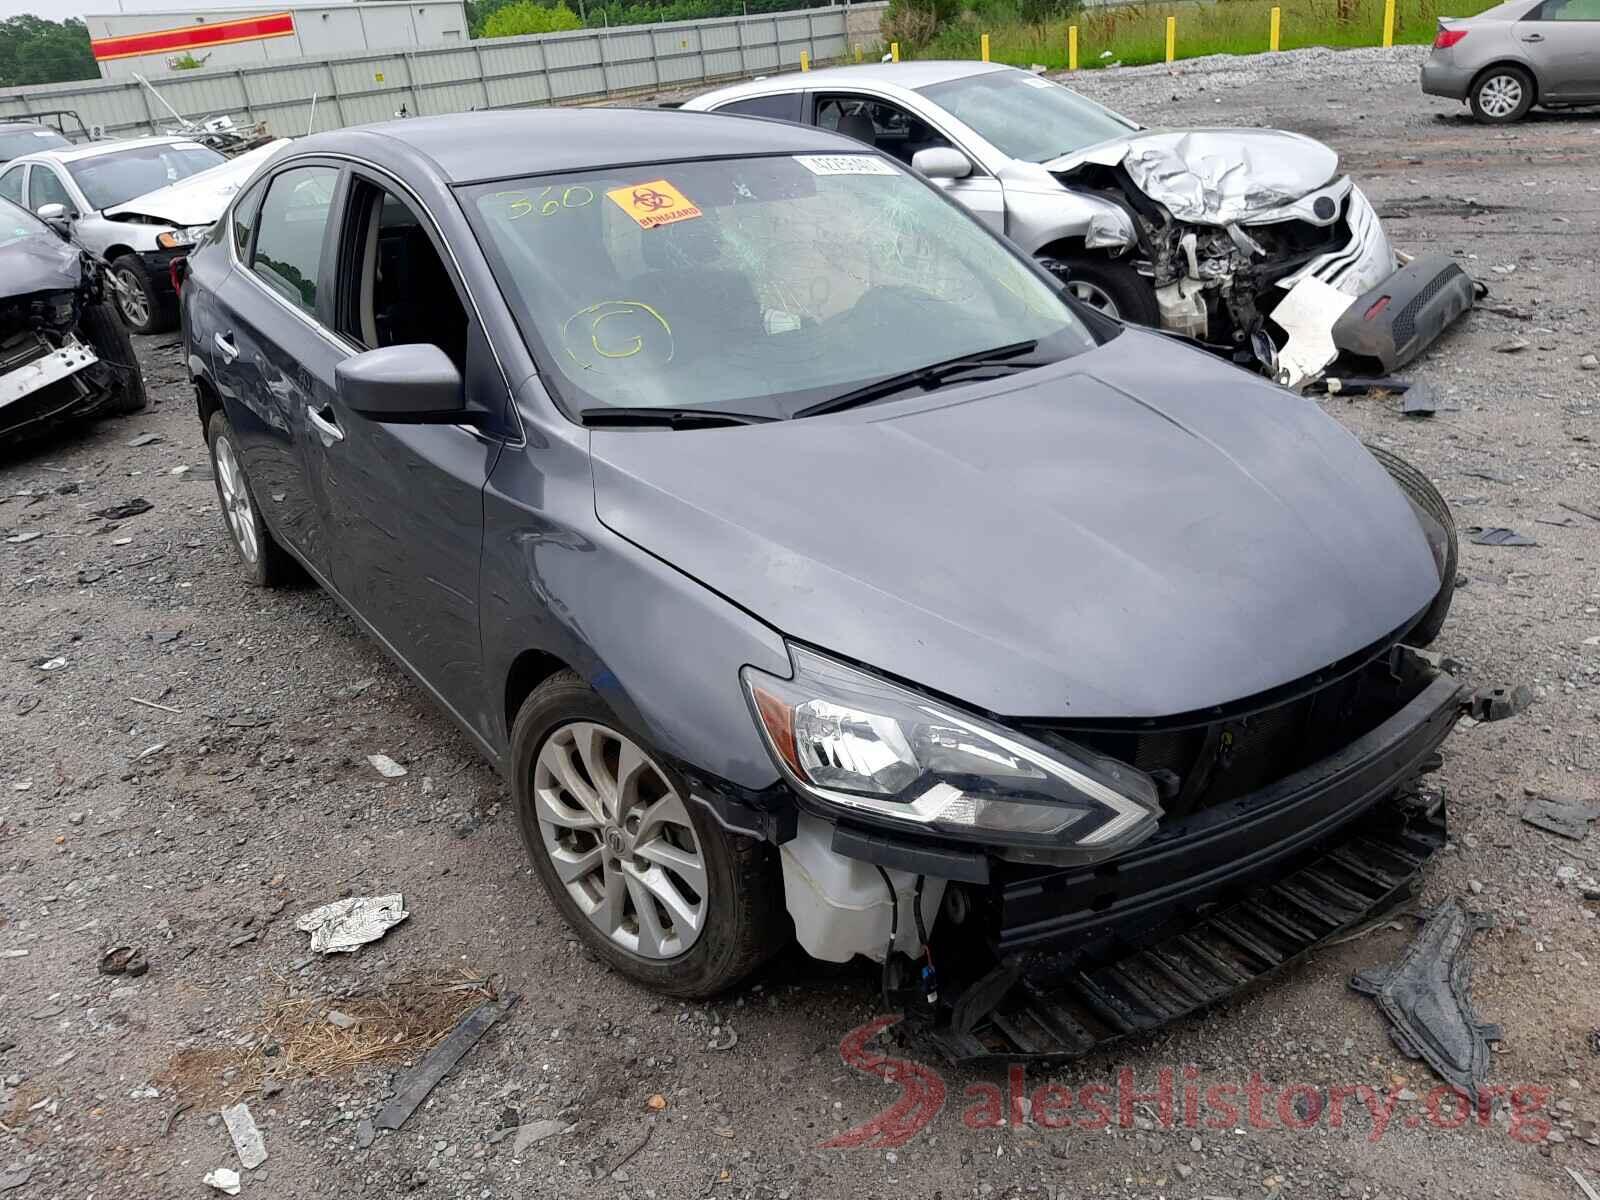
(56, 10)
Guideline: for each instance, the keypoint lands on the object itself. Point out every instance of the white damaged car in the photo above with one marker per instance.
(1249, 240)
(138, 203)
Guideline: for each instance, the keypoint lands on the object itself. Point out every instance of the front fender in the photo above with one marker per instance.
(1036, 219)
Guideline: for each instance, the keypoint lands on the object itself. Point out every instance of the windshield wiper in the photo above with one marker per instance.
(928, 377)
(670, 418)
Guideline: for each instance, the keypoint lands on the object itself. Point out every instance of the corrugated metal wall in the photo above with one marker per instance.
(490, 73)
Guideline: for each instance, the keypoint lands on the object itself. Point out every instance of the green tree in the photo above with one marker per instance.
(527, 17)
(36, 50)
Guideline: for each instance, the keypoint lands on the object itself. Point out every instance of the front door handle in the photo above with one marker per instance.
(224, 344)
(1533, 37)
(324, 424)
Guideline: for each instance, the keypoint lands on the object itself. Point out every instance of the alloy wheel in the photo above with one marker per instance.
(236, 500)
(619, 836)
(1500, 95)
(131, 300)
(1093, 295)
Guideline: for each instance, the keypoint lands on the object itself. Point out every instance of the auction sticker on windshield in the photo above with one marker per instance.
(844, 164)
(654, 203)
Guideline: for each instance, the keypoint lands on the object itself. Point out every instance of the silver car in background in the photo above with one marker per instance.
(1208, 233)
(1505, 60)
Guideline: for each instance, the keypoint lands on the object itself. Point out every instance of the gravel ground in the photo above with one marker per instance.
(199, 830)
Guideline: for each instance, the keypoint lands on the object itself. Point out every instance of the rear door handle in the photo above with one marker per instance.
(224, 344)
(1533, 37)
(325, 425)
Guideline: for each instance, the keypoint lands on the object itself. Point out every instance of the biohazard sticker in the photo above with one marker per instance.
(654, 203)
(844, 164)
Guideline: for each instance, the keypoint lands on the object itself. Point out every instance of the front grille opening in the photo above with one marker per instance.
(1199, 766)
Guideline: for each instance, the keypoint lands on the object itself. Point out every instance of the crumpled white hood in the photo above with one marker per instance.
(1217, 176)
(199, 199)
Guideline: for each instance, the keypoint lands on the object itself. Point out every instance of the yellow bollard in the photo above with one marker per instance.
(984, 43)
(1172, 37)
(1276, 14)
(1072, 47)
(1388, 22)
(805, 61)
(858, 51)
(894, 51)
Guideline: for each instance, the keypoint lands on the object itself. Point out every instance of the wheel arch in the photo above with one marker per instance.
(1500, 64)
(114, 252)
(527, 671)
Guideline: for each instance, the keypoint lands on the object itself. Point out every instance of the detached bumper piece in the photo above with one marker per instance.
(1215, 959)
(1395, 321)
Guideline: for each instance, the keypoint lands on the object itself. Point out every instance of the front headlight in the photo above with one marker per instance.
(177, 239)
(866, 747)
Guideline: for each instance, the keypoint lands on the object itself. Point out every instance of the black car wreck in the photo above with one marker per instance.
(63, 352)
(815, 566)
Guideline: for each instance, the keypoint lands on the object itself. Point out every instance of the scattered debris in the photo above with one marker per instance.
(166, 708)
(128, 508)
(387, 767)
(1485, 473)
(1560, 817)
(1512, 346)
(17, 539)
(144, 439)
(340, 1020)
(247, 1142)
(532, 1134)
(182, 1107)
(1426, 999)
(628, 1154)
(1497, 536)
(1584, 1185)
(124, 960)
(15, 1179)
(149, 750)
(414, 1086)
(345, 924)
(1418, 401)
(1582, 512)
(365, 1133)
(1589, 363)
(224, 1179)
(53, 664)
(656, 1102)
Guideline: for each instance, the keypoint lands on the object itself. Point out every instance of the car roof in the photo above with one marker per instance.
(479, 146)
(24, 126)
(908, 75)
(66, 154)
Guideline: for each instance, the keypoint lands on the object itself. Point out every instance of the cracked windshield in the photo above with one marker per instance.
(761, 285)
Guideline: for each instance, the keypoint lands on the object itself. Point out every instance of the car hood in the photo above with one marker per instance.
(35, 261)
(1140, 531)
(1215, 176)
(199, 199)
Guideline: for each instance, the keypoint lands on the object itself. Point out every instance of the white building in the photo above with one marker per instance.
(158, 43)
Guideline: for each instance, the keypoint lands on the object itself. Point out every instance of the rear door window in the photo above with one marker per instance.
(785, 106)
(11, 184)
(1569, 10)
(292, 232)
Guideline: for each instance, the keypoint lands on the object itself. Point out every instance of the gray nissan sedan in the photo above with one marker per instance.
(814, 568)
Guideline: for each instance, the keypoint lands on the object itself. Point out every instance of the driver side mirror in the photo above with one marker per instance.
(54, 214)
(415, 384)
(941, 162)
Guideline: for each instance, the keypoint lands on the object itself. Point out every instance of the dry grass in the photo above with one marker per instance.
(398, 1022)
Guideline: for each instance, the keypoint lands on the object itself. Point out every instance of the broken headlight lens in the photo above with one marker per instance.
(871, 749)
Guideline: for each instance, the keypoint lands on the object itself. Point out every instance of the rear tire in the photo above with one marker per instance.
(1417, 486)
(265, 563)
(144, 308)
(1113, 288)
(1501, 95)
(741, 917)
(109, 337)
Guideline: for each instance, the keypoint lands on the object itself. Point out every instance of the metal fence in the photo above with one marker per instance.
(557, 68)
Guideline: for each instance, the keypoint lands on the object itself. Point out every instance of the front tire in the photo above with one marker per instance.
(1421, 491)
(1113, 288)
(1501, 95)
(141, 305)
(109, 337)
(265, 563)
(643, 874)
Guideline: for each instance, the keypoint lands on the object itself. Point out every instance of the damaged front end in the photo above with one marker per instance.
(1286, 821)
(1257, 250)
(63, 353)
